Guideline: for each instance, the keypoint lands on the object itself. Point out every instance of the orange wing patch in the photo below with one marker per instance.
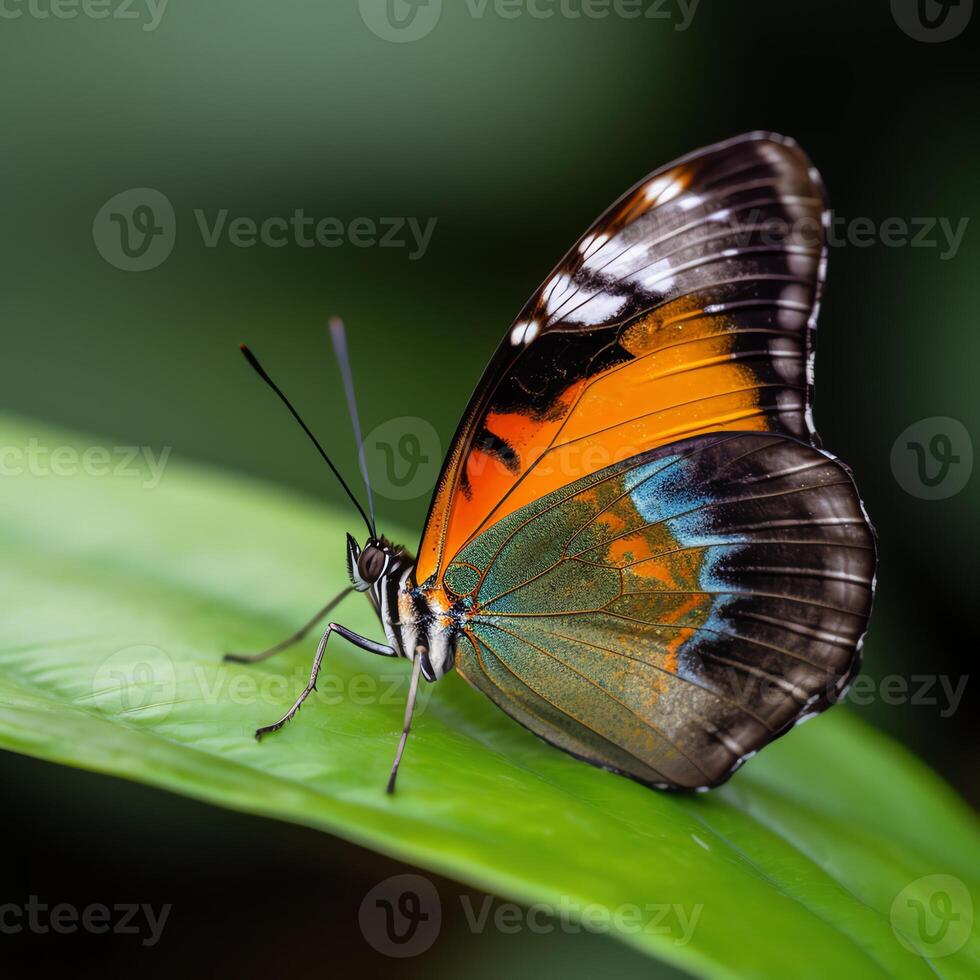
(681, 381)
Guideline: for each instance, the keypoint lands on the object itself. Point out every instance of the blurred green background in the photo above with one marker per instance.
(513, 134)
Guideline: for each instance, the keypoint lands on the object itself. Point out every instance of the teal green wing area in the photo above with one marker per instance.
(670, 615)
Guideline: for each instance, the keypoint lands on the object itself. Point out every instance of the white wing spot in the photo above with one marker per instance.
(662, 189)
(656, 187)
(524, 333)
(559, 293)
(591, 244)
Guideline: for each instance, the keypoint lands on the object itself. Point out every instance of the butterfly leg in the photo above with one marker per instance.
(363, 642)
(252, 658)
(409, 711)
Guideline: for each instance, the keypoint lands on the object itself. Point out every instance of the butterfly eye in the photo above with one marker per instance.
(371, 563)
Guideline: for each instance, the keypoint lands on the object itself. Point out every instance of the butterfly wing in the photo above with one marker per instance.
(661, 569)
(687, 308)
(669, 615)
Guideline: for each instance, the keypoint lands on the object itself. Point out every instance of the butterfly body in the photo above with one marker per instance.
(636, 546)
(419, 623)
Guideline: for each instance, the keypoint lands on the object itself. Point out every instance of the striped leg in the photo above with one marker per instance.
(363, 642)
(409, 711)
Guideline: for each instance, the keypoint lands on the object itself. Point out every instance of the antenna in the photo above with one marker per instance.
(339, 339)
(260, 371)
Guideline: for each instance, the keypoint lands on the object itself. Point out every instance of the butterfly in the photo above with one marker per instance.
(636, 546)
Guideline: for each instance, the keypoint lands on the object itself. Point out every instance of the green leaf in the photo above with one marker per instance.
(120, 596)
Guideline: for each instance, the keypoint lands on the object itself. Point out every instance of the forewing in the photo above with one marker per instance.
(669, 615)
(687, 308)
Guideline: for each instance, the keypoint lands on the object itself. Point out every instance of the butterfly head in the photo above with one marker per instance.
(368, 564)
